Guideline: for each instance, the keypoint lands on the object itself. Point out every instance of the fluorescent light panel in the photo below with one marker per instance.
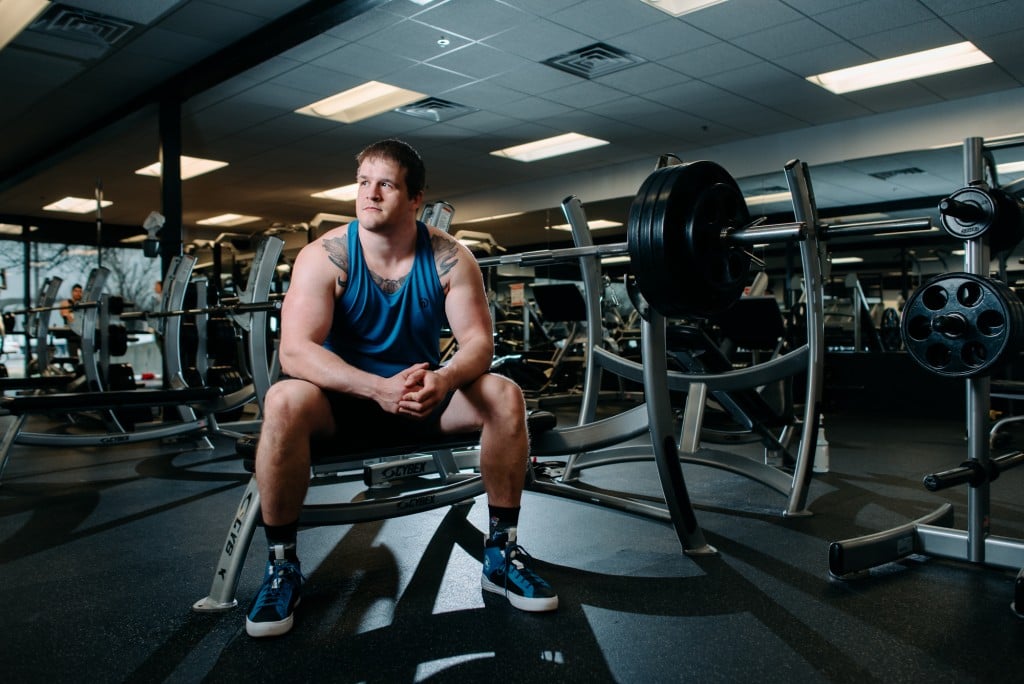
(767, 198)
(847, 260)
(362, 102)
(491, 218)
(228, 220)
(904, 68)
(190, 167)
(1010, 167)
(550, 147)
(343, 193)
(678, 8)
(76, 205)
(10, 229)
(15, 15)
(596, 224)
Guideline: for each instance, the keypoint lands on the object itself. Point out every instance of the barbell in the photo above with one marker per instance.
(115, 304)
(686, 237)
(229, 308)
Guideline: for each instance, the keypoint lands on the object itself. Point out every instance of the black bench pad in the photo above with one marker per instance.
(382, 446)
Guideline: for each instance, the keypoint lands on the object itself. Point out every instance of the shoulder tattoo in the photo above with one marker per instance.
(337, 252)
(446, 253)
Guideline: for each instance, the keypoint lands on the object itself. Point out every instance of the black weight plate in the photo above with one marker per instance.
(650, 277)
(674, 239)
(962, 325)
(720, 269)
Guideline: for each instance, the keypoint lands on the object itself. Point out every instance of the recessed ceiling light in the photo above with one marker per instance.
(1010, 167)
(228, 220)
(343, 193)
(847, 260)
(768, 198)
(190, 167)
(361, 102)
(15, 15)
(596, 224)
(76, 205)
(550, 147)
(678, 8)
(491, 218)
(10, 229)
(904, 68)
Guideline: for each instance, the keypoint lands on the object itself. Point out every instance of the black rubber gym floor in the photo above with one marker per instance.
(103, 552)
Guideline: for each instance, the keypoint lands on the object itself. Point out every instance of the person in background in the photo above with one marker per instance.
(359, 347)
(68, 312)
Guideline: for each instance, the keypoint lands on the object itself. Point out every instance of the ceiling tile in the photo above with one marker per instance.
(605, 19)
(473, 19)
(364, 63)
(710, 59)
(212, 22)
(539, 39)
(478, 61)
(872, 16)
(413, 40)
(988, 20)
(643, 78)
(896, 42)
(663, 39)
(786, 39)
(740, 17)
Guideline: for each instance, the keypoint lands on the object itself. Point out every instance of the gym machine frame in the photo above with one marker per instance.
(933, 534)
(249, 313)
(251, 310)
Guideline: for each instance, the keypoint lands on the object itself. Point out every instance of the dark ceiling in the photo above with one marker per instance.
(82, 92)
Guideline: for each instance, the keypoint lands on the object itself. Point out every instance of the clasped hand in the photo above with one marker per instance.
(416, 391)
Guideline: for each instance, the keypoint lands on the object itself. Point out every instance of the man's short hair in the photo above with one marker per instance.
(405, 156)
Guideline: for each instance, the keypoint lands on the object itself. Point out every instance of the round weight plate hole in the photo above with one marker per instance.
(918, 328)
(969, 294)
(938, 356)
(974, 354)
(934, 298)
(991, 322)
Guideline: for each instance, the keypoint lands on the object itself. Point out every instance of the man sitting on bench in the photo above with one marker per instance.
(360, 330)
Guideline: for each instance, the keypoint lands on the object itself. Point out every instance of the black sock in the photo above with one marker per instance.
(503, 520)
(284, 536)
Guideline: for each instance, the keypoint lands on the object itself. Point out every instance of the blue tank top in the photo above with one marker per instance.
(384, 333)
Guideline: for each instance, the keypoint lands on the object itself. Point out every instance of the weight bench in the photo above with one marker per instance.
(15, 410)
(425, 477)
(36, 383)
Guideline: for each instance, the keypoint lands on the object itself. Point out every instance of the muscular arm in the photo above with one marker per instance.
(467, 310)
(470, 320)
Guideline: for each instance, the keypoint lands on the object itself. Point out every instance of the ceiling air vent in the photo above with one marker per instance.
(886, 175)
(74, 32)
(435, 109)
(594, 61)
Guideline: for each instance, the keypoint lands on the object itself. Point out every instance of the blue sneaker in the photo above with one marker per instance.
(506, 572)
(273, 610)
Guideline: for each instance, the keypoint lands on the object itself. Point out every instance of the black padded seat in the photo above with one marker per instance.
(382, 446)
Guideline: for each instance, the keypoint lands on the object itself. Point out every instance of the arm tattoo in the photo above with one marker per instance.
(337, 252)
(445, 253)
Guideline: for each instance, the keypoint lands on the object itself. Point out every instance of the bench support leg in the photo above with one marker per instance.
(232, 555)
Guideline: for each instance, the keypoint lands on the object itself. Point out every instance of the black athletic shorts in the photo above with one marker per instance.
(362, 423)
